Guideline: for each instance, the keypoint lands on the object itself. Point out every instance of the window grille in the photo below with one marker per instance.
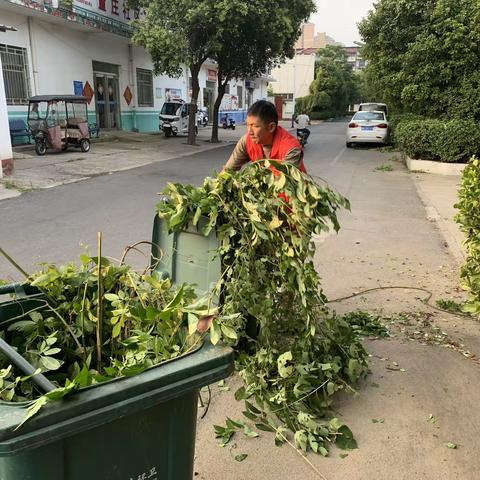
(145, 87)
(15, 74)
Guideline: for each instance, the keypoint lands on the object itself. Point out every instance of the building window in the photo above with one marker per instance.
(15, 74)
(145, 87)
(240, 96)
(227, 88)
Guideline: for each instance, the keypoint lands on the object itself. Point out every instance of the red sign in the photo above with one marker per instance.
(212, 75)
(88, 92)
(127, 95)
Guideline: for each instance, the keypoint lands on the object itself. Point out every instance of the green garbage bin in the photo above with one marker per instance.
(135, 428)
(187, 256)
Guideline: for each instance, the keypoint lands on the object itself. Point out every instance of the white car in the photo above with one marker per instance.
(368, 127)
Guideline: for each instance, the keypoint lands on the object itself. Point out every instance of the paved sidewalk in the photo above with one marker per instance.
(439, 195)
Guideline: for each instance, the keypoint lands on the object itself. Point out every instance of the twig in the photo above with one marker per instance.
(14, 263)
(300, 453)
(99, 304)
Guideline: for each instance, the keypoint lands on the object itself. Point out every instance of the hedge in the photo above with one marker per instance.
(469, 220)
(454, 141)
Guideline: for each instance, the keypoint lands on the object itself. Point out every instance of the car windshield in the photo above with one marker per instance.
(369, 116)
(37, 110)
(169, 108)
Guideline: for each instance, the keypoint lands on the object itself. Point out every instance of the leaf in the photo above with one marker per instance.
(215, 332)
(453, 446)
(50, 363)
(345, 439)
(275, 223)
(228, 332)
(33, 409)
(301, 440)
(240, 394)
(264, 427)
(192, 323)
(285, 370)
(241, 457)
(196, 217)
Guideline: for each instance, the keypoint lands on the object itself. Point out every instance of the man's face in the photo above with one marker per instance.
(260, 131)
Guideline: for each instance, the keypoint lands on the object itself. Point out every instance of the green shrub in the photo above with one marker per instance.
(469, 220)
(446, 141)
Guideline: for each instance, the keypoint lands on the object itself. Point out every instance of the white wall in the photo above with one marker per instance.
(5, 145)
(295, 75)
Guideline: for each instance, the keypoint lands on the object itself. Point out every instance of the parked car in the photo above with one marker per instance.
(373, 107)
(368, 127)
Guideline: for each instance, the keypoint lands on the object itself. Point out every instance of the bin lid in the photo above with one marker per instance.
(187, 256)
(98, 405)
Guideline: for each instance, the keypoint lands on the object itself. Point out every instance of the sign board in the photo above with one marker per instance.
(109, 9)
(173, 94)
(77, 87)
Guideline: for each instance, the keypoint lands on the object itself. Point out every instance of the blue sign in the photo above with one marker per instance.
(77, 87)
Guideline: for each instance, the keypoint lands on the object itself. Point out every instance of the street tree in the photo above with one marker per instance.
(334, 87)
(183, 32)
(259, 36)
(424, 56)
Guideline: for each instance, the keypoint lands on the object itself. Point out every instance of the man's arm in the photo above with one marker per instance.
(239, 156)
(294, 156)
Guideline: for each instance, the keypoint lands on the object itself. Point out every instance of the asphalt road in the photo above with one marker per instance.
(55, 225)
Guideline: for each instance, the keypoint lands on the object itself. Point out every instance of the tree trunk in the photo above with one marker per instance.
(192, 111)
(216, 107)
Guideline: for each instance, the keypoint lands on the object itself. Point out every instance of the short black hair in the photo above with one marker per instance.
(265, 110)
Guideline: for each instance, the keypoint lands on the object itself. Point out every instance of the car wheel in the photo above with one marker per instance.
(349, 144)
(40, 148)
(168, 133)
(174, 134)
(65, 147)
(85, 145)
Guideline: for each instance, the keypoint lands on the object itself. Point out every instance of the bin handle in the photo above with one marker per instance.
(38, 379)
(16, 288)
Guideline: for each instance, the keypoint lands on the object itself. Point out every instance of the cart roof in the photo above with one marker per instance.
(59, 98)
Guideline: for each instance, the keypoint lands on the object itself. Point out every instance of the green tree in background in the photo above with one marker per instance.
(245, 37)
(259, 36)
(179, 33)
(335, 85)
(424, 56)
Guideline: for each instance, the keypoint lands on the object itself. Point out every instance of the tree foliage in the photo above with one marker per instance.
(183, 32)
(424, 55)
(260, 35)
(335, 85)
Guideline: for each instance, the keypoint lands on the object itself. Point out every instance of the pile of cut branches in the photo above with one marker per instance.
(293, 355)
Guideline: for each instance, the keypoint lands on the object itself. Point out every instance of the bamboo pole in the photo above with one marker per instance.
(99, 303)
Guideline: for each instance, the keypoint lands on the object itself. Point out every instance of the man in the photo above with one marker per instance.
(302, 121)
(265, 139)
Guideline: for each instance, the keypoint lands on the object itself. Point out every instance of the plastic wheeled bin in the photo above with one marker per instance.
(134, 428)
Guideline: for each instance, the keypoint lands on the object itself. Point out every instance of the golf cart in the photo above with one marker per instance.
(173, 118)
(57, 121)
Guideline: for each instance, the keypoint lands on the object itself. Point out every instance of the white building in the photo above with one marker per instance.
(85, 48)
(293, 79)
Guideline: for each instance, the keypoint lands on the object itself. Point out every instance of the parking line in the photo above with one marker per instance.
(337, 158)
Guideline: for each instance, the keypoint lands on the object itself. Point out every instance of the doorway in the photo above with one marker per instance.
(208, 98)
(107, 100)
